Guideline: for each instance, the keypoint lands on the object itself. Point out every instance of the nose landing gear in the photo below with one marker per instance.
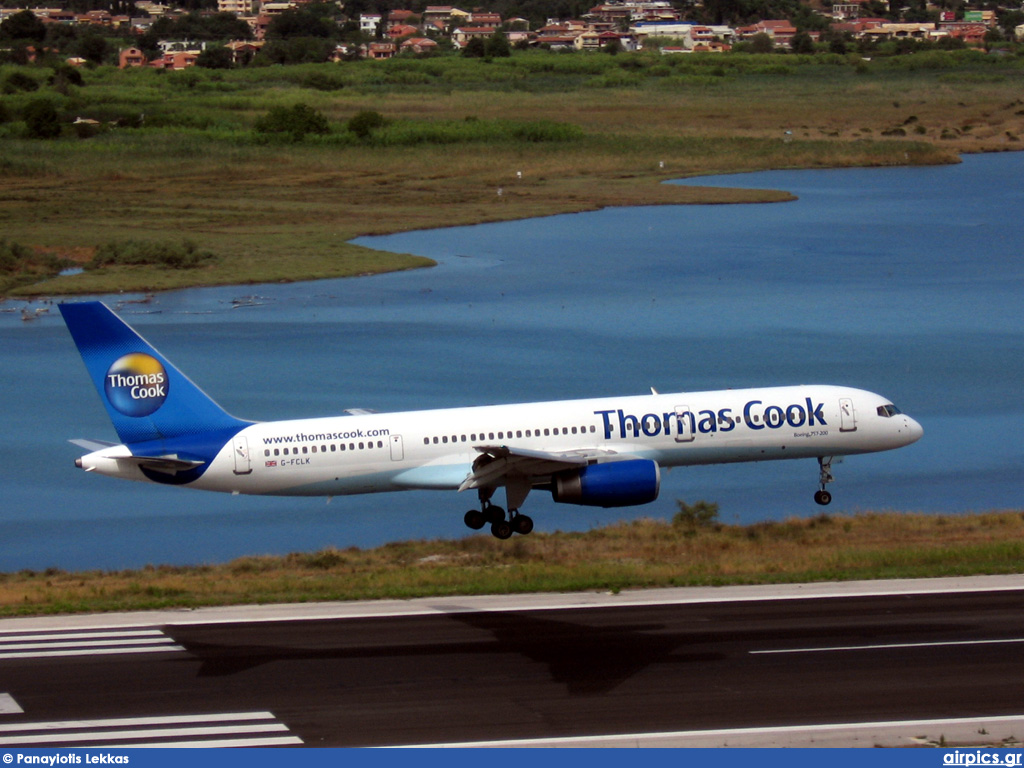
(822, 496)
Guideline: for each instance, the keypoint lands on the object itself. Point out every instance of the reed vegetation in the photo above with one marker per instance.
(629, 555)
(177, 154)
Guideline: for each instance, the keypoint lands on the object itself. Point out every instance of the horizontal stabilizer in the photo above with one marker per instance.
(91, 445)
(169, 465)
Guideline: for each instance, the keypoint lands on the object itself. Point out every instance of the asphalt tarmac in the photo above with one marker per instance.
(851, 664)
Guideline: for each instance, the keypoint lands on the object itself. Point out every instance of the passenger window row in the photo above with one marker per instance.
(475, 437)
(329, 448)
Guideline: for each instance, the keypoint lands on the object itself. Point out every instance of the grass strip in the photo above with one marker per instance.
(629, 555)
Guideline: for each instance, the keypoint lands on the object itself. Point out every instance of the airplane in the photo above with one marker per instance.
(605, 452)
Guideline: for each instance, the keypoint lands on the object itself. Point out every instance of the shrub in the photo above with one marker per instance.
(690, 517)
(19, 81)
(362, 124)
(13, 256)
(296, 121)
(41, 119)
(321, 81)
(65, 75)
(183, 255)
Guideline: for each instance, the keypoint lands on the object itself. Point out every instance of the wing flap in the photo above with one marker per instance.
(497, 464)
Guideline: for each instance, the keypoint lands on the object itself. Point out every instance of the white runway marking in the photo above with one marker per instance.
(36, 645)
(886, 646)
(242, 729)
(8, 706)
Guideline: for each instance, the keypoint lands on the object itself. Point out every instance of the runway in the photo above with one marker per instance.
(859, 663)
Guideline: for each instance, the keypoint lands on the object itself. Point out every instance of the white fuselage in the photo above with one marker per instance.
(435, 449)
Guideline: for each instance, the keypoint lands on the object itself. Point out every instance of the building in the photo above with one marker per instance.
(398, 31)
(379, 50)
(243, 51)
(131, 57)
(237, 7)
(846, 9)
(176, 60)
(462, 35)
(779, 30)
(418, 45)
(369, 23)
(443, 16)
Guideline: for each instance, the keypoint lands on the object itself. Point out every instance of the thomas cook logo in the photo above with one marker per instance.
(136, 384)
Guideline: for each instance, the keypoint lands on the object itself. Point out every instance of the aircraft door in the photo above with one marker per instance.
(397, 449)
(684, 424)
(240, 448)
(847, 415)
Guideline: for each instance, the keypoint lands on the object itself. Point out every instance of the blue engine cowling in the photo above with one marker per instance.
(612, 484)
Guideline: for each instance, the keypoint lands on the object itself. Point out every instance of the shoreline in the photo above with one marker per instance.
(714, 196)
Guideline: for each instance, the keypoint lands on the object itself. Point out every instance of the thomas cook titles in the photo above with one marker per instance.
(136, 384)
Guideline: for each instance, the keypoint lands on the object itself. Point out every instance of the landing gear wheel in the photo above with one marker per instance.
(494, 514)
(825, 477)
(475, 519)
(501, 530)
(522, 524)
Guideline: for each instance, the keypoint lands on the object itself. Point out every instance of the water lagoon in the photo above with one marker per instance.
(904, 281)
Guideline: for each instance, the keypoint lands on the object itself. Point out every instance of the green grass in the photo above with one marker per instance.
(585, 131)
(640, 554)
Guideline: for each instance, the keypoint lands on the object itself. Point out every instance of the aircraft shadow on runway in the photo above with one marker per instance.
(587, 659)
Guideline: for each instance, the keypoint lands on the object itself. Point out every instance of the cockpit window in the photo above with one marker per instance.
(888, 410)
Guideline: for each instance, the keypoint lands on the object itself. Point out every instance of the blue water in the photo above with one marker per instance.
(904, 281)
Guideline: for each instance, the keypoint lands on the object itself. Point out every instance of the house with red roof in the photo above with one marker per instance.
(418, 45)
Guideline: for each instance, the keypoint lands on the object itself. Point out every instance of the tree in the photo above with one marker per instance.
(802, 43)
(23, 26)
(475, 48)
(838, 45)
(92, 47)
(215, 57)
(41, 119)
(762, 42)
(993, 37)
(497, 46)
(301, 23)
(298, 50)
(195, 26)
(1009, 21)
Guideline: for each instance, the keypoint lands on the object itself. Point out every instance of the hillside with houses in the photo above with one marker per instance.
(237, 32)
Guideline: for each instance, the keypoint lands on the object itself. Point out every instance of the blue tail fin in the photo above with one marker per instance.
(146, 397)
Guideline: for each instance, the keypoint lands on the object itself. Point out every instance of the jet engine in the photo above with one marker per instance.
(611, 484)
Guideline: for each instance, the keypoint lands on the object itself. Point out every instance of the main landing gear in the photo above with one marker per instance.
(503, 524)
(822, 496)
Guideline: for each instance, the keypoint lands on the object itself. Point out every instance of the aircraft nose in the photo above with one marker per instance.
(914, 431)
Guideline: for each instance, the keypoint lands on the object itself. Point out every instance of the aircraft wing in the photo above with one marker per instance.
(497, 463)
